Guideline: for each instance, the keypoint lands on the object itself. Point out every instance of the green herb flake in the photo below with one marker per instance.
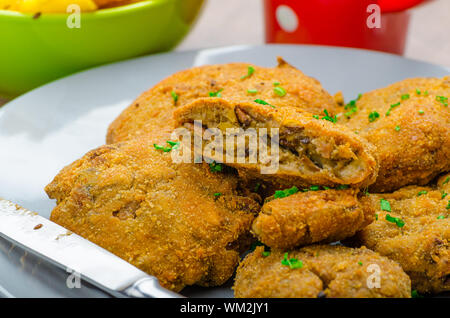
(417, 91)
(399, 222)
(217, 194)
(391, 108)
(405, 97)
(276, 83)
(448, 205)
(421, 112)
(373, 116)
(263, 102)
(250, 72)
(316, 116)
(415, 294)
(280, 91)
(293, 263)
(446, 180)
(360, 263)
(397, 128)
(285, 193)
(252, 91)
(329, 118)
(376, 216)
(174, 97)
(342, 187)
(444, 194)
(385, 205)
(172, 145)
(215, 167)
(265, 253)
(443, 100)
(352, 106)
(421, 193)
(216, 94)
(441, 217)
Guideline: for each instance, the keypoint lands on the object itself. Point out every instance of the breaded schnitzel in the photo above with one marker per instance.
(179, 222)
(312, 151)
(320, 271)
(409, 123)
(309, 217)
(238, 82)
(413, 228)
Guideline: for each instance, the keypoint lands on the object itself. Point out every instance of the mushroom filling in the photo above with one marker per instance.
(298, 152)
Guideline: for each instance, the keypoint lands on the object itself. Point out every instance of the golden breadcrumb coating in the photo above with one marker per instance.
(327, 271)
(311, 151)
(412, 132)
(422, 244)
(152, 111)
(165, 218)
(309, 217)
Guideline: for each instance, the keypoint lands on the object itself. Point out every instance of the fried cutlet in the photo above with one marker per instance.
(182, 222)
(413, 228)
(320, 271)
(311, 151)
(409, 123)
(239, 82)
(309, 217)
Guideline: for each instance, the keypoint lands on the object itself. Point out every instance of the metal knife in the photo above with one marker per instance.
(67, 250)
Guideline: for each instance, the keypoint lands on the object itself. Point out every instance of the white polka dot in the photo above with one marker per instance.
(286, 18)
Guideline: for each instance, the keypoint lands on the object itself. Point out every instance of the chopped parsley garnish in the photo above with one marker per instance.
(316, 116)
(216, 94)
(443, 100)
(252, 91)
(417, 91)
(174, 96)
(385, 205)
(276, 83)
(441, 217)
(265, 253)
(250, 72)
(172, 145)
(293, 263)
(373, 116)
(314, 188)
(376, 216)
(392, 107)
(217, 194)
(444, 194)
(328, 117)
(285, 193)
(263, 102)
(360, 263)
(422, 192)
(280, 91)
(352, 106)
(397, 128)
(448, 205)
(215, 167)
(446, 180)
(342, 186)
(398, 221)
(405, 97)
(421, 112)
(415, 294)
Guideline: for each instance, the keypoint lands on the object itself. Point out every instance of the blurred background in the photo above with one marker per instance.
(418, 29)
(233, 22)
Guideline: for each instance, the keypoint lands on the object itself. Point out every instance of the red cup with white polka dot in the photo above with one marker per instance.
(370, 24)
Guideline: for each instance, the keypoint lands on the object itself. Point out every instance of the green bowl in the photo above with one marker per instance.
(34, 51)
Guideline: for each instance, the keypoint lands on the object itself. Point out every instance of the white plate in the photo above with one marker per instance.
(49, 127)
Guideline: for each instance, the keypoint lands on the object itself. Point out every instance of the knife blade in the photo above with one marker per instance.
(67, 250)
